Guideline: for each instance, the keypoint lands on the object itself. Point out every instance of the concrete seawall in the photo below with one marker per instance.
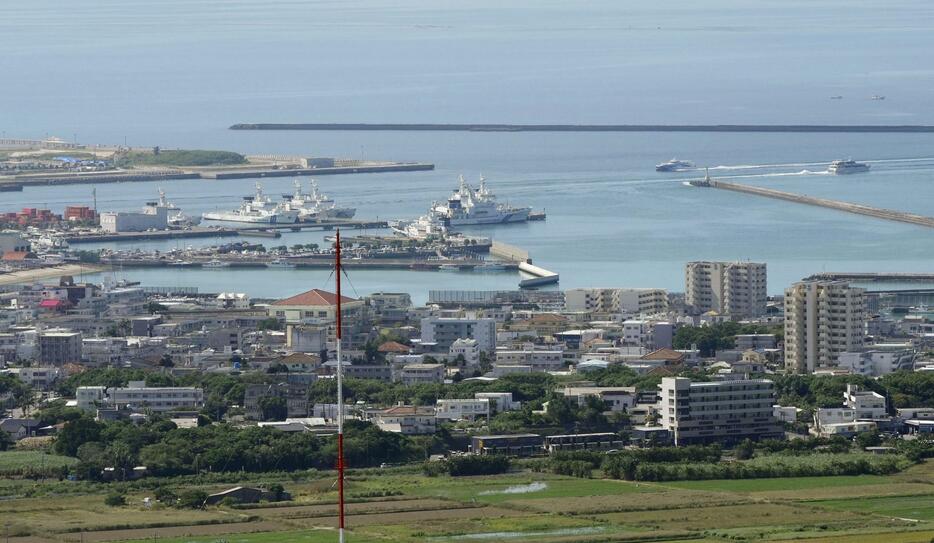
(859, 209)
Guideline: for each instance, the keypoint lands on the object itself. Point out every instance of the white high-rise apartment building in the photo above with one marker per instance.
(822, 320)
(729, 288)
(608, 301)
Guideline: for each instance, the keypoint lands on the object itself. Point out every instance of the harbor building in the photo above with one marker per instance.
(617, 301)
(737, 289)
(715, 411)
(154, 216)
(822, 320)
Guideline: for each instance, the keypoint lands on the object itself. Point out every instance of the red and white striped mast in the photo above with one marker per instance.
(340, 394)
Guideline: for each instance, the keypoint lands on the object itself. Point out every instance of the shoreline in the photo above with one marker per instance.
(29, 276)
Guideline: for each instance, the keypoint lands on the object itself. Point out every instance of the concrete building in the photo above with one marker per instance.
(468, 409)
(499, 401)
(469, 349)
(444, 332)
(617, 301)
(406, 419)
(59, 347)
(537, 360)
(39, 378)
(414, 374)
(822, 320)
(159, 399)
(90, 398)
(880, 359)
(737, 289)
(866, 403)
(745, 342)
(620, 399)
(715, 411)
(154, 216)
(12, 242)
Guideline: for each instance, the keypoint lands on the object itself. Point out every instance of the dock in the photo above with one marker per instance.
(874, 277)
(266, 230)
(859, 209)
(540, 276)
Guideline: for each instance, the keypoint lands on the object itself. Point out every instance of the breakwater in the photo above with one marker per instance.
(859, 209)
(438, 127)
(874, 277)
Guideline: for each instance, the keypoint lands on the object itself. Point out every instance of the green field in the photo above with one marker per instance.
(523, 507)
(910, 507)
(17, 462)
(787, 483)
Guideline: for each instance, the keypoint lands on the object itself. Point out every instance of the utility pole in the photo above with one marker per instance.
(340, 393)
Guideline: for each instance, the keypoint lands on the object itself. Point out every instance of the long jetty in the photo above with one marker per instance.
(859, 209)
(872, 277)
(454, 127)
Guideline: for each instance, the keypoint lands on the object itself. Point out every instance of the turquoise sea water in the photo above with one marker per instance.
(176, 74)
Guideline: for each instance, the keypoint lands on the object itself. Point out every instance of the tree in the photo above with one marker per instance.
(77, 433)
(192, 499)
(166, 361)
(745, 450)
(273, 408)
(115, 499)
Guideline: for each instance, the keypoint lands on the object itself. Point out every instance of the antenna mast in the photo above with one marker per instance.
(340, 393)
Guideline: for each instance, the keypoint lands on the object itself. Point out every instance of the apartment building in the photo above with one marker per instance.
(466, 409)
(59, 347)
(444, 331)
(704, 412)
(617, 301)
(822, 320)
(136, 395)
(536, 360)
(737, 289)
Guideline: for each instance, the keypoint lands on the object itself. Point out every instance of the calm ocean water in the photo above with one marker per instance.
(177, 73)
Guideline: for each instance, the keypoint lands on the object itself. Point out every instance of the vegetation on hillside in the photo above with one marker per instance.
(164, 157)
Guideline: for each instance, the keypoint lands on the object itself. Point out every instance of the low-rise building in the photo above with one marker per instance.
(536, 359)
(510, 445)
(714, 411)
(499, 401)
(620, 399)
(414, 374)
(462, 409)
(406, 419)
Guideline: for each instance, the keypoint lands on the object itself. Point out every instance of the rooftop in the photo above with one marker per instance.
(313, 297)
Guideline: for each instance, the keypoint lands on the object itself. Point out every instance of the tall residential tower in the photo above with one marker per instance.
(822, 320)
(737, 289)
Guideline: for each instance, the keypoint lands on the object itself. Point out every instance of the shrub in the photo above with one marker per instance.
(192, 499)
(468, 465)
(115, 499)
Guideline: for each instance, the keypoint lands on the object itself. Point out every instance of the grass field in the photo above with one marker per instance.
(910, 507)
(789, 483)
(17, 462)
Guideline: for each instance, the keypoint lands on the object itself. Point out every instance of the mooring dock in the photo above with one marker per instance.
(266, 230)
(859, 209)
